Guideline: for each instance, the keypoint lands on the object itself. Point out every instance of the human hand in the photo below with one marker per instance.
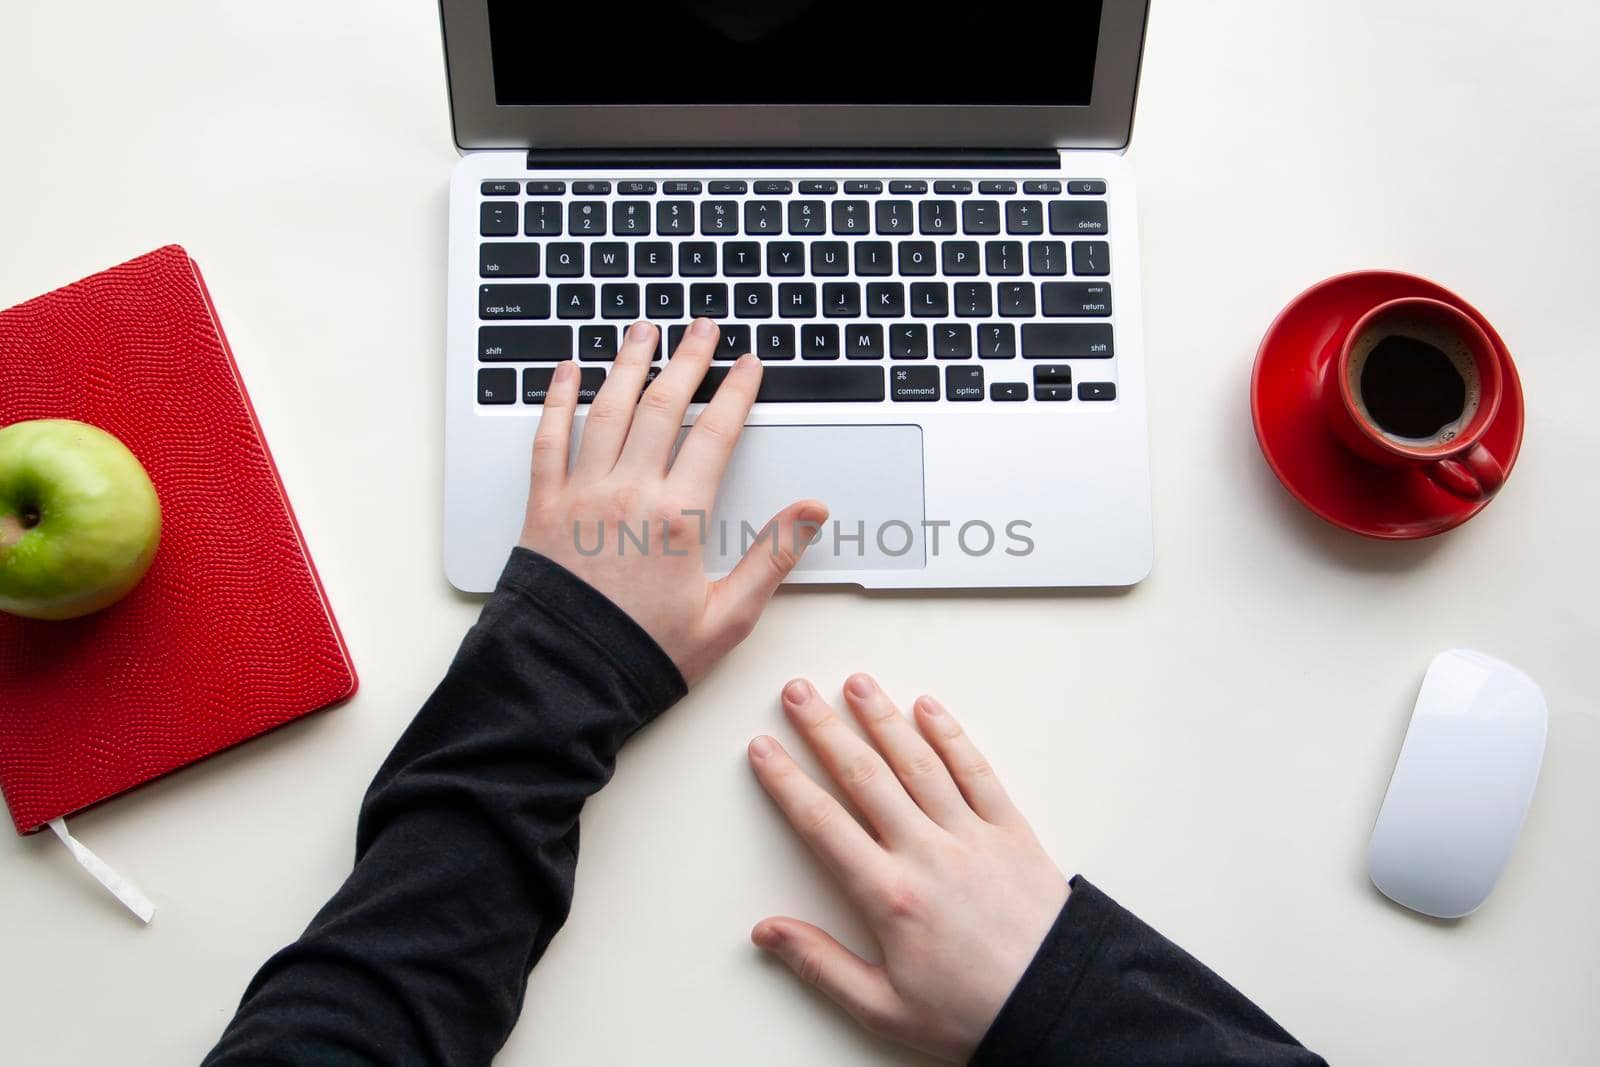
(625, 474)
(954, 885)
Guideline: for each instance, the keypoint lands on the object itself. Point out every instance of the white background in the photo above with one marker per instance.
(1211, 748)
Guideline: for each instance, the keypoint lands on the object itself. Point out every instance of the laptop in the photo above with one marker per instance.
(919, 219)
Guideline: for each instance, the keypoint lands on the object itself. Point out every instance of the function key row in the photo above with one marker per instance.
(770, 187)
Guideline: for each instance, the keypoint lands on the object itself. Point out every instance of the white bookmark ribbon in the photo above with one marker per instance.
(119, 886)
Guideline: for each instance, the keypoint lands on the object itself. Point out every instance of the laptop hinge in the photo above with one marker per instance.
(766, 158)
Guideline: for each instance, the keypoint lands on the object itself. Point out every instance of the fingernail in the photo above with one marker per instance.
(859, 685)
(702, 327)
(564, 370)
(639, 331)
(796, 692)
(930, 706)
(761, 747)
(746, 363)
(766, 937)
(815, 514)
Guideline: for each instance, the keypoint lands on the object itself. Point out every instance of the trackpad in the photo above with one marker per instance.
(869, 476)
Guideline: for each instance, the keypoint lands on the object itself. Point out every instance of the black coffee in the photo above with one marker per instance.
(1410, 388)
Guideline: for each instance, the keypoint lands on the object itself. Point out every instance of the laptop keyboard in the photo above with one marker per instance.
(893, 290)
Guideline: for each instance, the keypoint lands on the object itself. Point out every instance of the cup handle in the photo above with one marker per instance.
(1473, 476)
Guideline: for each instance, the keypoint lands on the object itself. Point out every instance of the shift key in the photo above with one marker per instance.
(1062, 340)
(524, 344)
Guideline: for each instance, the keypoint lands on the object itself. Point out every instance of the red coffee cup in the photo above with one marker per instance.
(1406, 365)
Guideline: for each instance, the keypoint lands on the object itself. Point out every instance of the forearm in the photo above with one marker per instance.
(467, 842)
(1106, 989)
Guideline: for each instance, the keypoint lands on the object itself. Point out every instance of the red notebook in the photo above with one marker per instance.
(229, 634)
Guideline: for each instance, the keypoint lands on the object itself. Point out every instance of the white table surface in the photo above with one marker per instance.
(1211, 748)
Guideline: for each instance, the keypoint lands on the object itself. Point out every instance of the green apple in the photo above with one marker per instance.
(79, 519)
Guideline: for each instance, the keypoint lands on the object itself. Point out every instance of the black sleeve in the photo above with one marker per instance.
(1105, 989)
(468, 840)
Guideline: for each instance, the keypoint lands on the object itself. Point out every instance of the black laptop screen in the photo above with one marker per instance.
(577, 52)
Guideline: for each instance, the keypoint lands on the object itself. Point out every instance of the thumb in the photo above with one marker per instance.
(754, 579)
(857, 986)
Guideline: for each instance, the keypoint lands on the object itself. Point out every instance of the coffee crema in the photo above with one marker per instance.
(1416, 382)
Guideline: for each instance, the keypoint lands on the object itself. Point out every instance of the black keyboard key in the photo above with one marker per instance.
(652, 259)
(974, 300)
(874, 258)
(997, 340)
(719, 216)
(819, 188)
(564, 260)
(997, 188)
(1016, 299)
(916, 258)
(1052, 392)
(797, 300)
(806, 217)
(863, 188)
(513, 301)
(1052, 375)
(830, 258)
(1076, 299)
(741, 259)
(841, 300)
(1024, 217)
(806, 384)
(1041, 188)
(785, 259)
(1085, 188)
(863, 341)
(524, 344)
(590, 188)
(708, 300)
(893, 216)
(1078, 216)
(980, 216)
(597, 343)
(608, 259)
(952, 188)
(752, 300)
(850, 216)
(1091, 258)
(664, 300)
(619, 301)
(697, 259)
(774, 342)
(906, 188)
(908, 341)
(630, 217)
(636, 188)
(960, 257)
(963, 383)
(886, 300)
(498, 219)
(733, 343)
(952, 340)
(575, 301)
(774, 187)
(585, 219)
(1047, 257)
(1003, 258)
(508, 259)
(1062, 340)
(819, 342)
(763, 216)
(1097, 390)
(500, 188)
(546, 188)
(1007, 390)
(681, 188)
(726, 188)
(937, 216)
(914, 383)
(536, 384)
(930, 300)
(674, 217)
(497, 385)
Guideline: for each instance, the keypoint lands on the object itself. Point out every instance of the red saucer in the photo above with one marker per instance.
(1285, 403)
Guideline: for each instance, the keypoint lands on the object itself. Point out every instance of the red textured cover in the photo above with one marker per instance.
(230, 634)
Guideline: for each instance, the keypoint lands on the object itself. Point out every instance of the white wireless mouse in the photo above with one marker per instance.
(1461, 787)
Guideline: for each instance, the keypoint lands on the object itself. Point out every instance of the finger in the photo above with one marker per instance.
(552, 440)
(837, 839)
(972, 773)
(853, 763)
(860, 988)
(613, 408)
(739, 597)
(907, 752)
(661, 409)
(706, 450)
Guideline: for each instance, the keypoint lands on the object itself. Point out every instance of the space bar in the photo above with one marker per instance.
(798, 385)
